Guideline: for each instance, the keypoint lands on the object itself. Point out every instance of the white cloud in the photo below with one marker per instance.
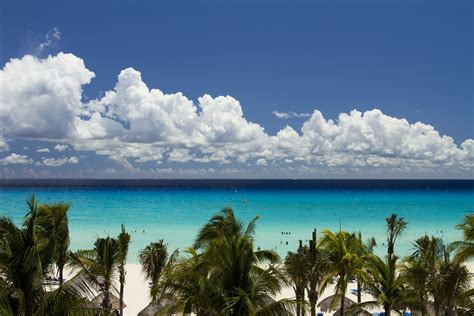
(61, 147)
(15, 159)
(133, 124)
(291, 114)
(43, 150)
(3, 144)
(57, 162)
(41, 98)
(50, 39)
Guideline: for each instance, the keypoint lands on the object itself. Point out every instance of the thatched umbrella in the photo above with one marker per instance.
(155, 307)
(325, 305)
(114, 301)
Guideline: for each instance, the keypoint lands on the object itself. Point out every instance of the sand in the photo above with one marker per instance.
(136, 291)
(137, 298)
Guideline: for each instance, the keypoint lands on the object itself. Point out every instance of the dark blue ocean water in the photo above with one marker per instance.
(175, 209)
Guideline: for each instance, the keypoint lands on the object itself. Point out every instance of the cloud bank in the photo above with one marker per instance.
(141, 127)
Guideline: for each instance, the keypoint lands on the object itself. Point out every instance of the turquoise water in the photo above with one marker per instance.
(176, 215)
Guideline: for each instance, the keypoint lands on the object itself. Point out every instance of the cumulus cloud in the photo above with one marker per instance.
(291, 114)
(61, 147)
(50, 39)
(43, 150)
(133, 124)
(15, 159)
(57, 162)
(41, 98)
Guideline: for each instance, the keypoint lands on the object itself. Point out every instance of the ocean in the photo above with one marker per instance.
(289, 210)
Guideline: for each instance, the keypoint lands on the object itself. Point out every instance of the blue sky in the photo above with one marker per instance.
(411, 61)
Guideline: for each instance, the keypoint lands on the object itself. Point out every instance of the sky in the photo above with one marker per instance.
(220, 89)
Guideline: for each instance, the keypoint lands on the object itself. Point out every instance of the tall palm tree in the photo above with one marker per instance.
(456, 285)
(123, 242)
(296, 266)
(99, 267)
(395, 228)
(318, 266)
(365, 248)
(421, 273)
(384, 283)
(23, 288)
(186, 280)
(344, 254)
(153, 259)
(52, 225)
(237, 269)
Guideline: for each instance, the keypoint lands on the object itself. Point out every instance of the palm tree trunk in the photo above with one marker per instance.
(387, 310)
(298, 299)
(359, 292)
(436, 308)
(61, 268)
(313, 299)
(122, 285)
(342, 305)
(106, 300)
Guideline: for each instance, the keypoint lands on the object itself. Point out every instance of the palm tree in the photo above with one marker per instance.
(420, 271)
(236, 268)
(123, 241)
(344, 255)
(466, 247)
(455, 285)
(153, 259)
(23, 288)
(366, 249)
(395, 228)
(318, 264)
(99, 267)
(296, 265)
(52, 224)
(187, 282)
(384, 283)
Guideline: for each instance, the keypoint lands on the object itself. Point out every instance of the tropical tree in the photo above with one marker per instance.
(99, 267)
(318, 266)
(153, 259)
(52, 225)
(23, 288)
(187, 282)
(247, 279)
(123, 243)
(420, 271)
(384, 284)
(365, 249)
(395, 228)
(465, 248)
(456, 285)
(296, 266)
(343, 250)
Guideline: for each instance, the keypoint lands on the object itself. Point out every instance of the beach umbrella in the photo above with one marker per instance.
(114, 300)
(325, 304)
(154, 307)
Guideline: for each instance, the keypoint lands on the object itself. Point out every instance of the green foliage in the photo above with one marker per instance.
(26, 256)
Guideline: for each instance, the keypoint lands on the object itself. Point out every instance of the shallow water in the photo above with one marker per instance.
(175, 214)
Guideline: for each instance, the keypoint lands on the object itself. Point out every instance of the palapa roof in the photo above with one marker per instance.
(154, 307)
(114, 300)
(325, 304)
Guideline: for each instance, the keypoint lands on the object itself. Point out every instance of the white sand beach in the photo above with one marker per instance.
(136, 291)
